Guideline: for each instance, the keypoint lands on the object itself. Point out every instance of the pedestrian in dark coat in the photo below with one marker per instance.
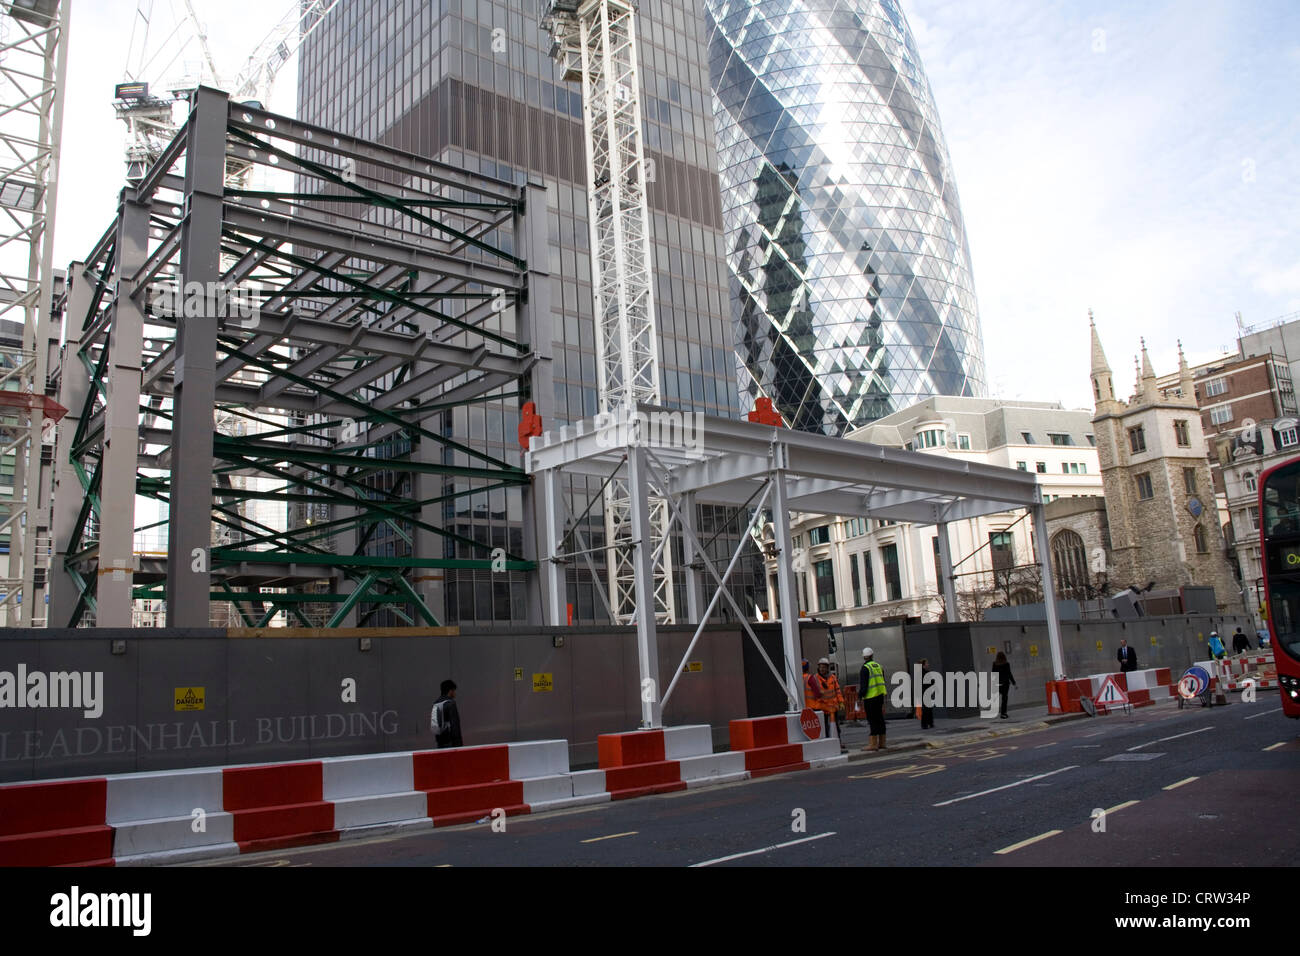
(927, 713)
(1005, 681)
(1127, 657)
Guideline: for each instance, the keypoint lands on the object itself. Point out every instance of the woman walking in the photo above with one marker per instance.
(1005, 681)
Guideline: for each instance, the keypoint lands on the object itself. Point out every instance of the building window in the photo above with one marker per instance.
(1254, 518)
(825, 585)
(1216, 386)
(1057, 439)
(1181, 435)
(893, 582)
(1070, 561)
(1145, 491)
(1028, 437)
(1022, 465)
(1286, 437)
(1092, 440)
(870, 577)
(1221, 415)
(931, 438)
(1189, 480)
(855, 580)
(963, 442)
(819, 535)
(1251, 485)
(1198, 535)
(908, 446)
(1040, 467)
(1003, 548)
(1083, 467)
(1137, 439)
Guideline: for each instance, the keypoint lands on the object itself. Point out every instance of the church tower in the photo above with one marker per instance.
(1156, 478)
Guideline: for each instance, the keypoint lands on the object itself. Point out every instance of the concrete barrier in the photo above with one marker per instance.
(169, 816)
(55, 823)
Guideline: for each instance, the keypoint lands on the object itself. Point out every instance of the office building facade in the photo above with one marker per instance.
(470, 82)
(846, 246)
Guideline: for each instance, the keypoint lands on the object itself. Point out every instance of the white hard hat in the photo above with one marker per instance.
(867, 652)
(822, 661)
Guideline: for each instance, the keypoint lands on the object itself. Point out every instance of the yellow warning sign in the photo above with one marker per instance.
(993, 650)
(1099, 645)
(189, 698)
(1033, 650)
(1154, 642)
(695, 667)
(519, 673)
(543, 682)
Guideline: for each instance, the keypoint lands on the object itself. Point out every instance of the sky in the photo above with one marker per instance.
(1136, 159)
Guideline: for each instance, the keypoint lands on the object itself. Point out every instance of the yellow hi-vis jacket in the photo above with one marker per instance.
(875, 679)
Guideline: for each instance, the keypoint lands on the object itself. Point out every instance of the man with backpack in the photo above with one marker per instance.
(445, 719)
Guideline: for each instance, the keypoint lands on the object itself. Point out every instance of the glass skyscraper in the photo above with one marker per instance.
(848, 257)
(470, 82)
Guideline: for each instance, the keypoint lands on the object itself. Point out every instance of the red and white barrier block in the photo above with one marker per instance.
(55, 823)
(778, 744)
(1142, 688)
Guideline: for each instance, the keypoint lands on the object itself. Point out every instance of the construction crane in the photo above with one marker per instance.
(595, 42)
(150, 118)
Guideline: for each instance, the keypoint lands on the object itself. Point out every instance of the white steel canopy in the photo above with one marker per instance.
(692, 459)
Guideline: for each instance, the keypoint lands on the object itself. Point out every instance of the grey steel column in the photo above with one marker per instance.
(945, 571)
(690, 517)
(122, 420)
(647, 639)
(1043, 547)
(537, 332)
(189, 528)
(74, 386)
(785, 586)
(550, 573)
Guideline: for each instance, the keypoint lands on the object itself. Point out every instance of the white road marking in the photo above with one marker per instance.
(1275, 746)
(1263, 714)
(1041, 746)
(1180, 783)
(766, 849)
(1174, 737)
(1007, 786)
(1024, 843)
(612, 836)
(1097, 734)
(1121, 806)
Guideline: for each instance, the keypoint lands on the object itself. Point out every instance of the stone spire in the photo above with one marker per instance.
(1102, 389)
(1147, 391)
(1185, 375)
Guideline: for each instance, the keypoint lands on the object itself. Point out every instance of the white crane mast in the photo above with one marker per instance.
(595, 41)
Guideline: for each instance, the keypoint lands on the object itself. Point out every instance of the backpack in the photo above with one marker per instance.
(438, 722)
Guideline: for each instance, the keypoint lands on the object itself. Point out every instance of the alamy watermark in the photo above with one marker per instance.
(670, 429)
(949, 689)
(219, 299)
(81, 690)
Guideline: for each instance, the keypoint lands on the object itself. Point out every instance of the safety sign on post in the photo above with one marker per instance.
(1111, 694)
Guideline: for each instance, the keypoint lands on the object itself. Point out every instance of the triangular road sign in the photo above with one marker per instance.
(1111, 694)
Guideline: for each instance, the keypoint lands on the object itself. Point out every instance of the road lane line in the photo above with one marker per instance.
(1097, 734)
(1041, 746)
(1275, 746)
(1174, 737)
(1121, 806)
(612, 836)
(1024, 843)
(1264, 714)
(1180, 783)
(1007, 786)
(766, 849)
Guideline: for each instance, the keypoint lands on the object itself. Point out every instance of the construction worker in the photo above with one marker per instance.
(809, 698)
(827, 697)
(871, 682)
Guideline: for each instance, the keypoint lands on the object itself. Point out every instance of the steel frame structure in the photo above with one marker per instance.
(387, 289)
(748, 465)
(33, 65)
(596, 42)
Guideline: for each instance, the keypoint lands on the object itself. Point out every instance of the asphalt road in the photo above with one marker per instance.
(1192, 787)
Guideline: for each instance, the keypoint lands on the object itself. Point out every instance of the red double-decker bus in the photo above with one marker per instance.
(1279, 528)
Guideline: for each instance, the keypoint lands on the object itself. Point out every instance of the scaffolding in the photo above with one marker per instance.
(342, 320)
(33, 63)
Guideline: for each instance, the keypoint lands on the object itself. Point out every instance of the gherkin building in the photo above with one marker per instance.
(850, 271)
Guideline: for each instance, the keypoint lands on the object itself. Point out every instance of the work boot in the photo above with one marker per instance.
(882, 742)
(874, 745)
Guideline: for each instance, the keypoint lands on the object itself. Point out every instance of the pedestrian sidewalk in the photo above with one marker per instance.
(906, 733)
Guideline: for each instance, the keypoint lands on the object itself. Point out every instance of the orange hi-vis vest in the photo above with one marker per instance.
(826, 693)
(809, 695)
